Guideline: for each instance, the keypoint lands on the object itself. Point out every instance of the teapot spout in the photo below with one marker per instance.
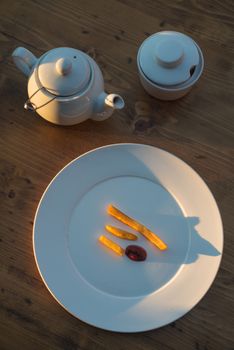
(106, 104)
(114, 101)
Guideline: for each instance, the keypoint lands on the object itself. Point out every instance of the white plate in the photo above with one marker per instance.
(113, 292)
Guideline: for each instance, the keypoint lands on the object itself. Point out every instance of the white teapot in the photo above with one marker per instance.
(65, 86)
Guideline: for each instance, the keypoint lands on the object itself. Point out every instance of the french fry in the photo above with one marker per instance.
(121, 233)
(151, 236)
(111, 245)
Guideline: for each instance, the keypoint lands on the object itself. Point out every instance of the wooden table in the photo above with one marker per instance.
(197, 128)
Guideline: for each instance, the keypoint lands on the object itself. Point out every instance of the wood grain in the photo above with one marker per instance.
(198, 128)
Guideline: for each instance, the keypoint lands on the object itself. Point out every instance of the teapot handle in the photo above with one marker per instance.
(24, 60)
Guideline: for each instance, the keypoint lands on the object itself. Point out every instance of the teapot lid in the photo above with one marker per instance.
(64, 71)
(168, 58)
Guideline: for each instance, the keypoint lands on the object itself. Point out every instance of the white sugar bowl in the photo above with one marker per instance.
(169, 64)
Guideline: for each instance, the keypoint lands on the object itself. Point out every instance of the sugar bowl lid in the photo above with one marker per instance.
(168, 58)
(64, 71)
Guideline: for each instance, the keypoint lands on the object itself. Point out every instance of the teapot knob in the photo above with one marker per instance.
(169, 53)
(64, 66)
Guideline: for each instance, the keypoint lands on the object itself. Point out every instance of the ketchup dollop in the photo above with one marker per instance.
(136, 253)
